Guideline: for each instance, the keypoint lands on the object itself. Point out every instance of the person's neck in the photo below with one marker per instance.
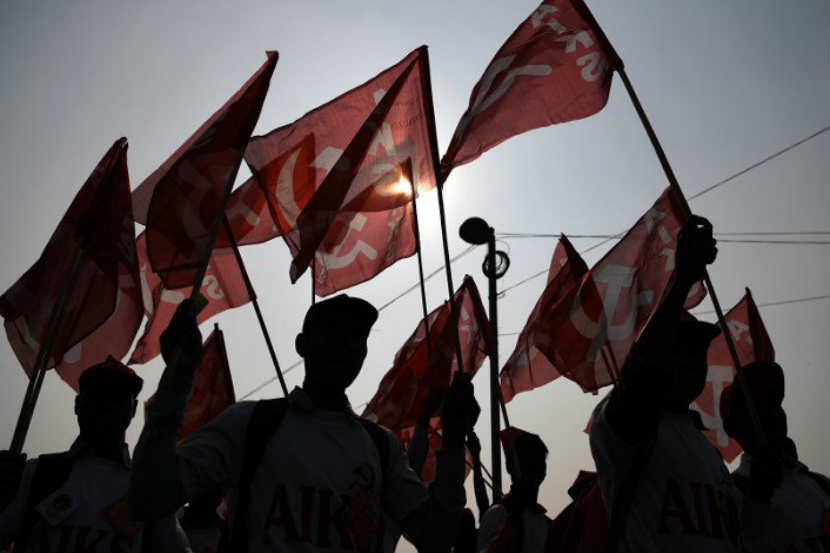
(325, 397)
(108, 449)
(524, 494)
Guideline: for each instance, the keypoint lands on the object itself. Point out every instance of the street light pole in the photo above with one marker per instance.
(476, 231)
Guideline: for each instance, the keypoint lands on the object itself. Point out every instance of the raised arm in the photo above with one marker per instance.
(632, 409)
(155, 488)
(433, 525)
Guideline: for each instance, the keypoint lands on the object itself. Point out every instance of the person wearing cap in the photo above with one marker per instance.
(303, 473)
(665, 487)
(796, 502)
(76, 500)
(518, 523)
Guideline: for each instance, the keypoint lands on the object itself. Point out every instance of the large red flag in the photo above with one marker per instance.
(414, 388)
(555, 67)
(179, 201)
(223, 287)
(99, 223)
(321, 170)
(617, 296)
(212, 391)
(528, 368)
(752, 344)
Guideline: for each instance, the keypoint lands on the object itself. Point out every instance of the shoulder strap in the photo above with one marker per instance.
(51, 471)
(267, 416)
(381, 441)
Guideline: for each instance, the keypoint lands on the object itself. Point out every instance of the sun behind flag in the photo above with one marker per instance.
(752, 344)
(180, 201)
(318, 170)
(555, 67)
(98, 223)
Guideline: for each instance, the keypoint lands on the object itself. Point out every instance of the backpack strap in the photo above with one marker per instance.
(267, 416)
(381, 441)
(51, 471)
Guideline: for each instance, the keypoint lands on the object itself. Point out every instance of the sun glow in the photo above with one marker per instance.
(402, 187)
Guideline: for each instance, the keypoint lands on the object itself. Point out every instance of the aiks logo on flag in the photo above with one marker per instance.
(326, 172)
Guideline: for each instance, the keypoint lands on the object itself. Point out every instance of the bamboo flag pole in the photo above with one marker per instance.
(667, 169)
(252, 294)
(408, 175)
(45, 351)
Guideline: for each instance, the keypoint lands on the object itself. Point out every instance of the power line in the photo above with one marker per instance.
(512, 235)
(772, 303)
(768, 304)
(697, 195)
(754, 165)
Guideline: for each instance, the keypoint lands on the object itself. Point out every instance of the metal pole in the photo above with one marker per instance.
(252, 295)
(495, 423)
(667, 169)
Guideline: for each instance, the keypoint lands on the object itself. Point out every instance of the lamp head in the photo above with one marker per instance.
(475, 230)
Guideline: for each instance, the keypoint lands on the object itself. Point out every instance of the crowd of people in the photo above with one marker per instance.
(305, 473)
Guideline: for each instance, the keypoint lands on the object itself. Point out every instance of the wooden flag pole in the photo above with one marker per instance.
(420, 262)
(255, 301)
(44, 352)
(730, 344)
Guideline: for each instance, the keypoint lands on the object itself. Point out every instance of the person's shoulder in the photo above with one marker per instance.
(496, 512)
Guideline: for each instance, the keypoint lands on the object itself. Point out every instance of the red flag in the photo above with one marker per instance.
(616, 297)
(752, 344)
(320, 167)
(555, 67)
(435, 441)
(415, 386)
(180, 200)
(222, 286)
(98, 222)
(212, 390)
(528, 368)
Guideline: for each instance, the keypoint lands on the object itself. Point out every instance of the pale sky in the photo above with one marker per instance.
(725, 85)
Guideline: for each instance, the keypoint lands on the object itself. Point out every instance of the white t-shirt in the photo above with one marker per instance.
(535, 525)
(796, 517)
(319, 487)
(87, 513)
(684, 499)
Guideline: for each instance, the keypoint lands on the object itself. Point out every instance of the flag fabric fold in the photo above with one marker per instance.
(179, 201)
(555, 67)
(752, 344)
(527, 367)
(223, 287)
(102, 313)
(336, 178)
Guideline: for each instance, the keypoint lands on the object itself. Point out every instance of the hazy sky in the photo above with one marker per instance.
(725, 84)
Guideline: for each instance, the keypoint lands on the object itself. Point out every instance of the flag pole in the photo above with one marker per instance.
(44, 352)
(420, 261)
(252, 294)
(667, 169)
(314, 279)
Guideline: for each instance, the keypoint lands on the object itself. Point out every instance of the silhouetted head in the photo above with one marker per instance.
(106, 401)
(765, 380)
(333, 340)
(532, 456)
(688, 363)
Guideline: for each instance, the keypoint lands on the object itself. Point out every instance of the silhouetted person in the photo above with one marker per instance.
(518, 523)
(665, 487)
(76, 500)
(306, 473)
(795, 511)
